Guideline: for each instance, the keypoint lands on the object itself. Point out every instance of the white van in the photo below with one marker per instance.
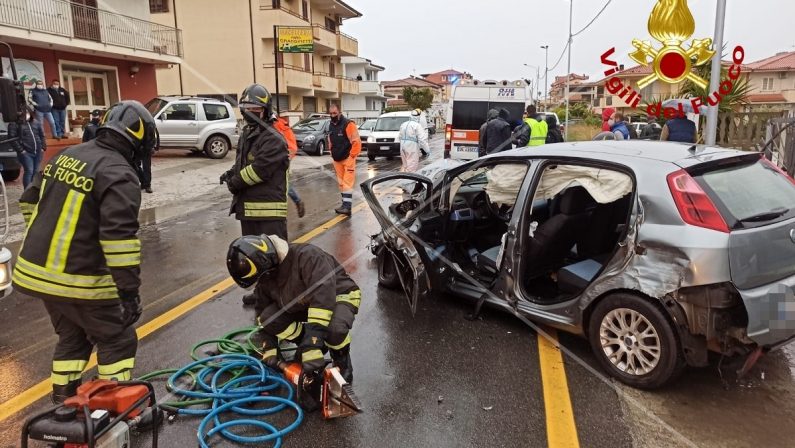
(383, 140)
(469, 104)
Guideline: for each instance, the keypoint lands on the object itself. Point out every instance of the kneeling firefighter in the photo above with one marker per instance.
(81, 255)
(305, 296)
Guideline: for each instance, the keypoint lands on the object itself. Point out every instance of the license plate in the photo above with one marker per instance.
(467, 148)
(385, 148)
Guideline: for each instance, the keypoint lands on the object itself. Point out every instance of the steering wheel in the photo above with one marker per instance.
(501, 212)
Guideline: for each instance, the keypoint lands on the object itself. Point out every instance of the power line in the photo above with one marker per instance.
(562, 53)
(594, 19)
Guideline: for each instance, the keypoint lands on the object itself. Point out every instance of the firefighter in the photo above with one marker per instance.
(81, 255)
(258, 181)
(345, 145)
(306, 298)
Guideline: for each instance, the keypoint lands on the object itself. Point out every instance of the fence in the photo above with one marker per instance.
(63, 18)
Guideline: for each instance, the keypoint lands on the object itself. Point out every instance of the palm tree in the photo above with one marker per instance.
(736, 98)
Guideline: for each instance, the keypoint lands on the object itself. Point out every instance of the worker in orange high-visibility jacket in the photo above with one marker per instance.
(283, 126)
(345, 146)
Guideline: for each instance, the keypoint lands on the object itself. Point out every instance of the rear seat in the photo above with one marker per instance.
(573, 278)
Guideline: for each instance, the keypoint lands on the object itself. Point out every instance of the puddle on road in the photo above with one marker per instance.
(156, 215)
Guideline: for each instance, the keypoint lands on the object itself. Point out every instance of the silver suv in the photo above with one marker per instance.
(200, 124)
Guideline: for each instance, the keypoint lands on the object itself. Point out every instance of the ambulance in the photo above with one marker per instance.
(470, 102)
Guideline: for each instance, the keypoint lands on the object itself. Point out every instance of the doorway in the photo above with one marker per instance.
(87, 91)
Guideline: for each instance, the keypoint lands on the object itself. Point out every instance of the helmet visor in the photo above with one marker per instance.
(242, 269)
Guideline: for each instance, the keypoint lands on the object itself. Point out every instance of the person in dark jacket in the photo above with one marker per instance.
(345, 145)
(490, 115)
(41, 101)
(60, 99)
(30, 145)
(90, 131)
(305, 296)
(81, 256)
(652, 129)
(553, 131)
(618, 127)
(498, 133)
(633, 134)
(679, 129)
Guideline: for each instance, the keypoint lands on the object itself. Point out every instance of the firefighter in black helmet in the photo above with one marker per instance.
(308, 299)
(81, 255)
(258, 181)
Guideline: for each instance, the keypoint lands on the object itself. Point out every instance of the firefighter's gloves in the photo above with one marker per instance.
(311, 347)
(270, 350)
(226, 176)
(131, 307)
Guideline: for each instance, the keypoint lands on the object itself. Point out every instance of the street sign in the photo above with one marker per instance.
(295, 39)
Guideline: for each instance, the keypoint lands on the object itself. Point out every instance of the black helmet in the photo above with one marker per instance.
(131, 120)
(249, 257)
(256, 96)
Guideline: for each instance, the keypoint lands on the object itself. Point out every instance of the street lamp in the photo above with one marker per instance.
(538, 77)
(546, 75)
(712, 112)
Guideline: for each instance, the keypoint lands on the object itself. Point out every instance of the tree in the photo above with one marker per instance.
(418, 98)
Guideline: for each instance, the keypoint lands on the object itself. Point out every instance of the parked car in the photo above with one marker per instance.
(383, 140)
(655, 252)
(366, 128)
(200, 124)
(311, 134)
(9, 163)
(638, 126)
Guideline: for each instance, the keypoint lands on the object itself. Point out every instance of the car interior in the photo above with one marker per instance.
(572, 235)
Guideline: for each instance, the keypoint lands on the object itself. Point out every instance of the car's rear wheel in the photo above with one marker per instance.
(634, 341)
(216, 147)
(321, 148)
(371, 158)
(387, 271)
(10, 175)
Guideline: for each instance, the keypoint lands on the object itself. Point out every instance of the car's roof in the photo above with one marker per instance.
(401, 113)
(191, 98)
(682, 154)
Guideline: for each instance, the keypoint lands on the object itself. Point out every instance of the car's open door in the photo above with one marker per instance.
(396, 200)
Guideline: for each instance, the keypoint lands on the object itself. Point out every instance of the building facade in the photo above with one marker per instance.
(100, 55)
(231, 46)
(447, 79)
(772, 83)
(370, 101)
(394, 90)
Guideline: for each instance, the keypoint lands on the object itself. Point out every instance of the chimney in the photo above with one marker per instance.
(621, 67)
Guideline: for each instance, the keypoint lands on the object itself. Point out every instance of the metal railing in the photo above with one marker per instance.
(287, 66)
(63, 18)
(267, 5)
(346, 36)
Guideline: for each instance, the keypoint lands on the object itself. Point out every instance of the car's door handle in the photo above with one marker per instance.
(193, 124)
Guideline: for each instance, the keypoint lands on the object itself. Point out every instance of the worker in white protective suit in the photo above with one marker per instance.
(413, 140)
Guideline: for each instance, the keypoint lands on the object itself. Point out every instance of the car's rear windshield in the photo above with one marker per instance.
(470, 115)
(390, 123)
(750, 193)
(155, 104)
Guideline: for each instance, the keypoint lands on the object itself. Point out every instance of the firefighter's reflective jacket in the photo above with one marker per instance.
(260, 175)
(309, 279)
(82, 216)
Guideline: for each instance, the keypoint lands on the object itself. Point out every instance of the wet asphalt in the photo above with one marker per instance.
(434, 379)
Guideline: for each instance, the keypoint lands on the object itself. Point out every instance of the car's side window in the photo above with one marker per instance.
(180, 111)
(214, 112)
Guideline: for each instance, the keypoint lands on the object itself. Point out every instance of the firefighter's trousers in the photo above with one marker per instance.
(79, 328)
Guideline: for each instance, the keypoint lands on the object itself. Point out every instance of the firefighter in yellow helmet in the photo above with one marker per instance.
(81, 255)
(305, 296)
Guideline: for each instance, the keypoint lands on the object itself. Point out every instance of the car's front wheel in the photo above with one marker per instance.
(216, 147)
(321, 148)
(371, 157)
(634, 341)
(10, 175)
(387, 270)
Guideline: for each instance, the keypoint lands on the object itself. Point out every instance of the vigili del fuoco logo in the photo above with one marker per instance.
(671, 24)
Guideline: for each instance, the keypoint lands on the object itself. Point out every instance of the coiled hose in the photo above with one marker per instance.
(230, 381)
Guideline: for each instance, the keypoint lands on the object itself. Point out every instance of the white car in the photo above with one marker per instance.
(366, 128)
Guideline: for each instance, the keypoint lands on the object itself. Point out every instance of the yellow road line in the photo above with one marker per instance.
(43, 388)
(561, 430)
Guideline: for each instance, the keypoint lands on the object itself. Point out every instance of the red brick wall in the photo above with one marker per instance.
(142, 88)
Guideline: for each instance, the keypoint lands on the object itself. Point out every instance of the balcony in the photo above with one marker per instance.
(291, 78)
(325, 40)
(280, 16)
(349, 86)
(325, 83)
(347, 45)
(88, 28)
(371, 88)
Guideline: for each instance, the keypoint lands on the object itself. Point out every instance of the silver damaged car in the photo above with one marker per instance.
(656, 252)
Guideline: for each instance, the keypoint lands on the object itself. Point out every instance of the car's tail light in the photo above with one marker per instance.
(448, 136)
(695, 207)
(775, 167)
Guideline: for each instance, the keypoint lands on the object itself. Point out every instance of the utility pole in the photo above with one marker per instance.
(714, 79)
(546, 75)
(568, 67)
(538, 81)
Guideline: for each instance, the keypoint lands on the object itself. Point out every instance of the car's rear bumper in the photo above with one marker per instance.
(771, 312)
(383, 149)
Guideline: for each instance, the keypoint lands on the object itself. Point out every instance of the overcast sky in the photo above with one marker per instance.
(492, 39)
